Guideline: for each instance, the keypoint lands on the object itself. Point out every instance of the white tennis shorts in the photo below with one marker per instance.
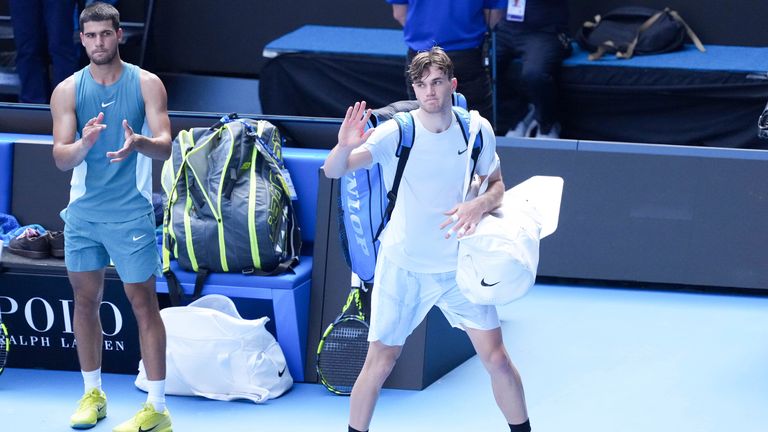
(401, 299)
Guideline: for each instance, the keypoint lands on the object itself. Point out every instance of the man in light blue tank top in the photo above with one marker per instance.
(96, 113)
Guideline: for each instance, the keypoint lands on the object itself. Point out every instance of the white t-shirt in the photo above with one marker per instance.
(432, 183)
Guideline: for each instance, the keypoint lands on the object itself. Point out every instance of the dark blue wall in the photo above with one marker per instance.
(226, 37)
(192, 36)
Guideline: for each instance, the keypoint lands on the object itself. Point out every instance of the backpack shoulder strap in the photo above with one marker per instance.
(464, 117)
(407, 131)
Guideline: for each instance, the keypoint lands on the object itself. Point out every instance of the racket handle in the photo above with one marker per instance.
(355, 281)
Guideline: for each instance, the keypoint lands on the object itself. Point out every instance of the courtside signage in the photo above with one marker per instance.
(40, 310)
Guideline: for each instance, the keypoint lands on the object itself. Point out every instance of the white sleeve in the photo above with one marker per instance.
(382, 144)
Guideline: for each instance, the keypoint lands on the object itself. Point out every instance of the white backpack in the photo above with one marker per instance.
(214, 353)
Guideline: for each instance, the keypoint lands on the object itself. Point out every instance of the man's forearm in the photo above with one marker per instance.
(335, 164)
(493, 196)
(155, 148)
(68, 156)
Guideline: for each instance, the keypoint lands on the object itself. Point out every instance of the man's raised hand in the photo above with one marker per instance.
(91, 130)
(128, 146)
(352, 133)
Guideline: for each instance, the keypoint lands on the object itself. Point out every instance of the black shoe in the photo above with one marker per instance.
(56, 242)
(30, 244)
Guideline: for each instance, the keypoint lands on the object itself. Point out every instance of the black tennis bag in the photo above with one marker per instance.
(631, 30)
(228, 204)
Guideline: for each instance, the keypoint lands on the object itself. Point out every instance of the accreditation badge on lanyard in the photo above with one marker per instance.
(516, 10)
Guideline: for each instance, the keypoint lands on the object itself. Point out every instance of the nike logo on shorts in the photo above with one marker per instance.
(135, 238)
(486, 284)
(104, 105)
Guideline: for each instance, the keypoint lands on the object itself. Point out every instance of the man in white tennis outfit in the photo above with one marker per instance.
(416, 266)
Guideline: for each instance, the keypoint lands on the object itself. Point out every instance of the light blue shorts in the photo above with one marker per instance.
(401, 299)
(88, 246)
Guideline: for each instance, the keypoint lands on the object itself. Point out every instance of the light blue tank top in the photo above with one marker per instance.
(102, 191)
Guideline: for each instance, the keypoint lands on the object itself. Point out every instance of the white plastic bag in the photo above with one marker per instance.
(213, 352)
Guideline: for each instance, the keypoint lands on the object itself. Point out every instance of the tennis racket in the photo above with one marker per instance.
(344, 345)
(5, 345)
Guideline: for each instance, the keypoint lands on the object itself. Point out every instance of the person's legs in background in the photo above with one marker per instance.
(514, 112)
(31, 60)
(43, 30)
(533, 81)
(544, 52)
(63, 50)
(474, 81)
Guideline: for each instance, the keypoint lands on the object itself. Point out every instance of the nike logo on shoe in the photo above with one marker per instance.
(104, 105)
(485, 284)
(139, 237)
(147, 430)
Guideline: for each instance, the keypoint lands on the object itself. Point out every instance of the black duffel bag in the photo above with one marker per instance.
(631, 30)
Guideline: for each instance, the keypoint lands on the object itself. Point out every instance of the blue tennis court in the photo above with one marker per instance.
(596, 359)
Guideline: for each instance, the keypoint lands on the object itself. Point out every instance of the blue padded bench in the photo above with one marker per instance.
(289, 292)
(6, 175)
(6, 165)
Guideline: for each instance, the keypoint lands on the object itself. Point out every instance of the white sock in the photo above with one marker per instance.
(92, 379)
(156, 394)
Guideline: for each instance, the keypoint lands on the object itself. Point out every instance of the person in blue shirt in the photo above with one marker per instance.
(459, 28)
(535, 34)
(96, 115)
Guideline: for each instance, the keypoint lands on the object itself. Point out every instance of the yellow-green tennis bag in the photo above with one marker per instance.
(228, 205)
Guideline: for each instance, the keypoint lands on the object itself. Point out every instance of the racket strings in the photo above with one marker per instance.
(4, 346)
(342, 356)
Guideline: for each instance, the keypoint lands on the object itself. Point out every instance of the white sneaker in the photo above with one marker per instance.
(554, 132)
(523, 128)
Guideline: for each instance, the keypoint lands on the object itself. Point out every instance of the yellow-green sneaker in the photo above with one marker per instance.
(146, 420)
(91, 409)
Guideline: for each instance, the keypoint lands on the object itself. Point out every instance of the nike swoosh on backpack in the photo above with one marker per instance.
(485, 284)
